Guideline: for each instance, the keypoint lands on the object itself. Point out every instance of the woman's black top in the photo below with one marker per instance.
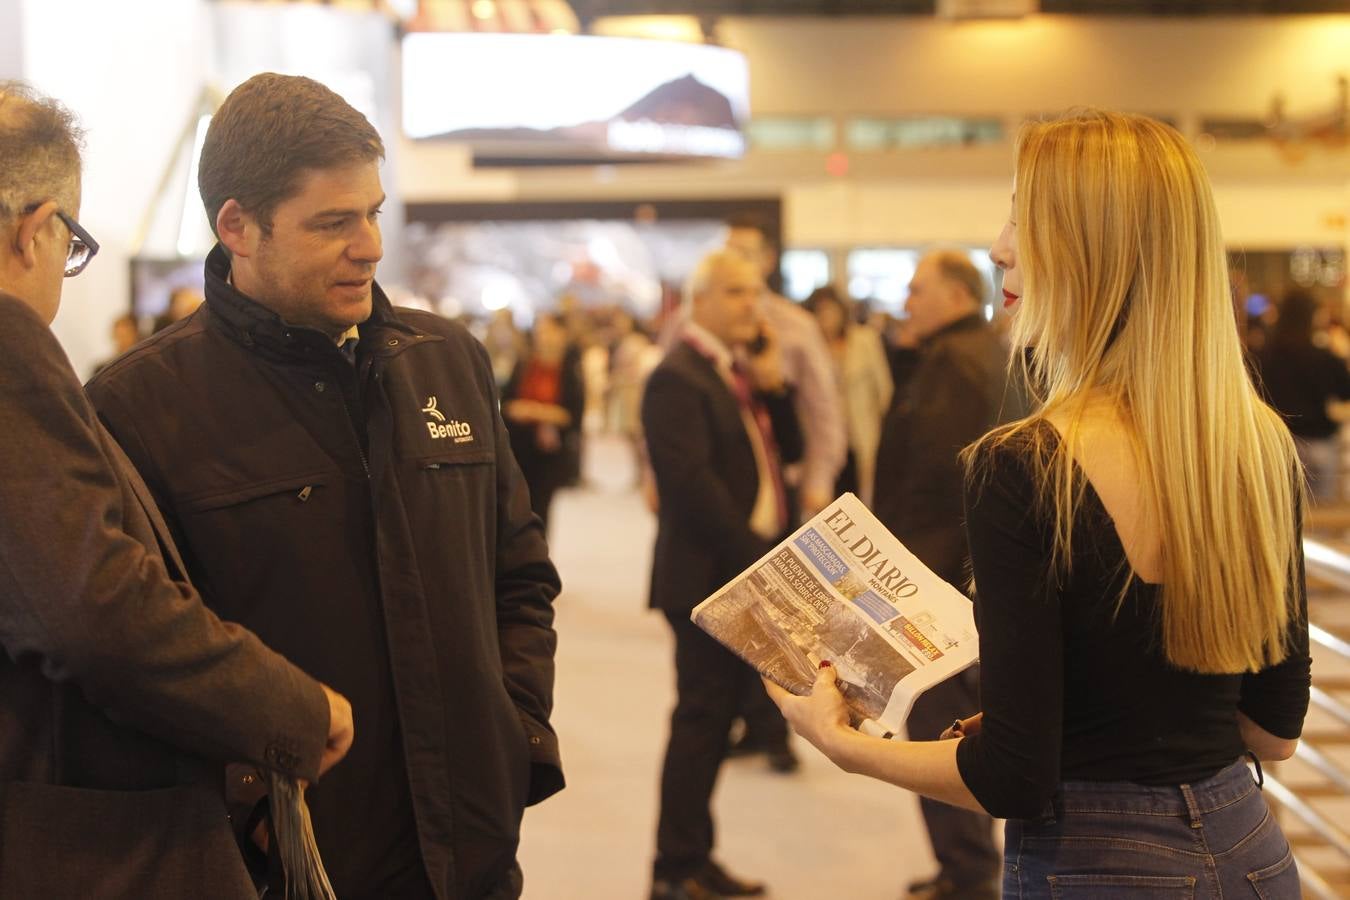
(1298, 380)
(1070, 690)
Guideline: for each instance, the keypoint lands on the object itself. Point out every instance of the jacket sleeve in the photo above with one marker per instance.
(526, 584)
(96, 608)
(680, 448)
(951, 414)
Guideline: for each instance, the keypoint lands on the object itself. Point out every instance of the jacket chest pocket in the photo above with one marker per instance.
(440, 470)
(300, 488)
(245, 541)
(456, 476)
(451, 505)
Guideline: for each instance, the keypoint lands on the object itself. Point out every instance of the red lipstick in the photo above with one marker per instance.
(1009, 299)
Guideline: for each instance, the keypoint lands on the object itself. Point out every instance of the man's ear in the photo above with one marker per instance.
(237, 229)
(30, 232)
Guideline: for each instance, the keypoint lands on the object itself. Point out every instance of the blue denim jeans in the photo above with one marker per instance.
(1213, 839)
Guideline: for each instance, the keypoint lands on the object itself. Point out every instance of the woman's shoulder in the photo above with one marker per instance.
(1017, 444)
(1011, 457)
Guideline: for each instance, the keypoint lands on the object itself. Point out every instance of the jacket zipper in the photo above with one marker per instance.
(351, 425)
(356, 439)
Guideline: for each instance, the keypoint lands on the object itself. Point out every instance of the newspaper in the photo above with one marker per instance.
(842, 588)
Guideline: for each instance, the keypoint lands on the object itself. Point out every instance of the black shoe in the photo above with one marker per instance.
(724, 884)
(741, 748)
(685, 889)
(782, 760)
(941, 888)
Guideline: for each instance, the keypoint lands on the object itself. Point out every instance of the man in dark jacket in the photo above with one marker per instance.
(342, 482)
(121, 695)
(718, 429)
(958, 391)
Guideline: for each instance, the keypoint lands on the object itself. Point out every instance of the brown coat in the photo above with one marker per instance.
(958, 392)
(121, 695)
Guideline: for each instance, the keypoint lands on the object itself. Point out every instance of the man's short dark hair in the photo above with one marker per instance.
(39, 150)
(268, 133)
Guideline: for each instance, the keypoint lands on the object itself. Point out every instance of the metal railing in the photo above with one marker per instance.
(1326, 564)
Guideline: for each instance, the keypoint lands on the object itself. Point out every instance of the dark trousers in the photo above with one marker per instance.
(765, 727)
(710, 682)
(544, 475)
(963, 841)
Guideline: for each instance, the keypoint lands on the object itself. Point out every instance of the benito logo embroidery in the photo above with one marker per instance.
(459, 432)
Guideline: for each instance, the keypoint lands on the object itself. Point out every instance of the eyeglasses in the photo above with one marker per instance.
(83, 247)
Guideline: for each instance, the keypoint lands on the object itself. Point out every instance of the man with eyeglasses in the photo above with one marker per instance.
(121, 695)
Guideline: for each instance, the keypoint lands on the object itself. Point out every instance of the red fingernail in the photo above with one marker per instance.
(824, 663)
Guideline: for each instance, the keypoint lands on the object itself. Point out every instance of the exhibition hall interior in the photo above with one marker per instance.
(565, 189)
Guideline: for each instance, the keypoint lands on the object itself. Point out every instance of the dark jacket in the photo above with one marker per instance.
(706, 477)
(1299, 380)
(117, 686)
(369, 521)
(958, 392)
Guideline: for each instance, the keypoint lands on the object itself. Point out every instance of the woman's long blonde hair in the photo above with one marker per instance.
(1126, 299)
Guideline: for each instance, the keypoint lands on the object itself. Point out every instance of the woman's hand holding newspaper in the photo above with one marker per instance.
(821, 717)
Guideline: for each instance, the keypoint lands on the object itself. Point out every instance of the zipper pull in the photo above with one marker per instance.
(304, 493)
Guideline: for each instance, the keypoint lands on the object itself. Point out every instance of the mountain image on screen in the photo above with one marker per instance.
(684, 102)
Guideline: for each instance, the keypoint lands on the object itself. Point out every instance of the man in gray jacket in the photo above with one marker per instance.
(121, 695)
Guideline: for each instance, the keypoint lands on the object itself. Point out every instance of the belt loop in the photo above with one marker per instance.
(1192, 808)
(1260, 776)
(1053, 811)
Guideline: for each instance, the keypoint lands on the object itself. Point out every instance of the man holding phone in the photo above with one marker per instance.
(720, 425)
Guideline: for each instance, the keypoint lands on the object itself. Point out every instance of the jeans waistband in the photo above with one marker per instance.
(1192, 800)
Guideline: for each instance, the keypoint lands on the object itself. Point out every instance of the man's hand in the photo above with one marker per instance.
(341, 730)
(766, 366)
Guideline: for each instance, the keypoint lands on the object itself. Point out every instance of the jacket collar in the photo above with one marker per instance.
(263, 331)
(708, 345)
(971, 322)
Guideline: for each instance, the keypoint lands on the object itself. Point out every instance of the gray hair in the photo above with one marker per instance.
(702, 276)
(957, 268)
(40, 145)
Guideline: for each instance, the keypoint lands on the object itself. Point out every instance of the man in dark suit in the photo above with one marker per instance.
(121, 695)
(719, 424)
(958, 391)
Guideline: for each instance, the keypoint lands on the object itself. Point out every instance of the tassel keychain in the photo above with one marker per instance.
(294, 834)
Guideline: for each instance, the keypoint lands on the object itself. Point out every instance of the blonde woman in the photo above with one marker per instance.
(1136, 550)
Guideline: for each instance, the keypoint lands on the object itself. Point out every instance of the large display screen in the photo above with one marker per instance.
(566, 98)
